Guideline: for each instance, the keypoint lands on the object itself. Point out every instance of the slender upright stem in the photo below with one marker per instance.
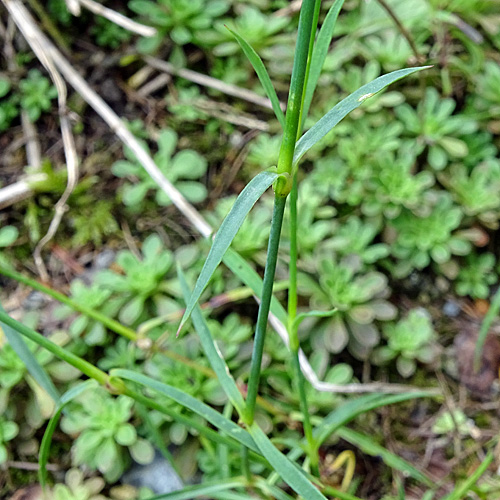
(265, 303)
(293, 336)
(282, 188)
(294, 105)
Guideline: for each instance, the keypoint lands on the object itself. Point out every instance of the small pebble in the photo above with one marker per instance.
(451, 309)
(35, 301)
(159, 476)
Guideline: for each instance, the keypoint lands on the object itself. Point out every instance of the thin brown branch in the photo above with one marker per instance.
(407, 35)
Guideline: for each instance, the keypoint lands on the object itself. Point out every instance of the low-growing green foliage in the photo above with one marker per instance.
(77, 488)
(181, 168)
(430, 237)
(109, 34)
(436, 129)
(141, 280)
(360, 299)
(8, 431)
(94, 297)
(36, 94)
(257, 29)
(8, 235)
(104, 433)
(181, 21)
(476, 276)
(409, 340)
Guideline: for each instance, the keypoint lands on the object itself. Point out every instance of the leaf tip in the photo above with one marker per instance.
(179, 330)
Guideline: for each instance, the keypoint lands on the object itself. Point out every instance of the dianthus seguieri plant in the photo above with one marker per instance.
(301, 477)
(310, 53)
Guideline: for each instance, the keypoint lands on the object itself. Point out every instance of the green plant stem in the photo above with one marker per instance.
(287, 148)
(245, 464)
(267, 291)
(84, 366)
(302, 117)
(92, 313)
(293, 336)
(292, 268)
(300, 382)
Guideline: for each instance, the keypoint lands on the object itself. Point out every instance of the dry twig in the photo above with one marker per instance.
(37, 42)
(111, 15)
(213, 83)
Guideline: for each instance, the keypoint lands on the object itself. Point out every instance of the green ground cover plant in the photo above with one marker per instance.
(404, 186)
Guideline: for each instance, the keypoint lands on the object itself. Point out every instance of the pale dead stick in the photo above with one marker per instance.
(208, 81)
(111, 15)
(19, 190)
(37, 42)
(179, 201)
(33, 150)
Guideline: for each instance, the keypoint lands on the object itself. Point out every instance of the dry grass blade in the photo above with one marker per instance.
(117, 18)
(213, 83)
(19, 190)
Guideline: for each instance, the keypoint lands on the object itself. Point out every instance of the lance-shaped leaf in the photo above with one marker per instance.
(288, 471)
(214, 417)
(212, 352)
(207, 489)
(225, 235)
(463, 488)
(320, 52)
(344, 107)
(354, 407)
(262, 74)
(241, 268)
(17, 343)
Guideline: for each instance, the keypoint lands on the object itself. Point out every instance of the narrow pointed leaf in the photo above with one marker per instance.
(320, 52)
(207, 489)
(17, 343)
(263, 75)
(51, 426)
(225, 235)
(240, 267)
(464, 487)
(368, 445)
(214, 417)
(212, 352)
(344, 107)
(313, 314)
(354, 407)
(288, 471)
